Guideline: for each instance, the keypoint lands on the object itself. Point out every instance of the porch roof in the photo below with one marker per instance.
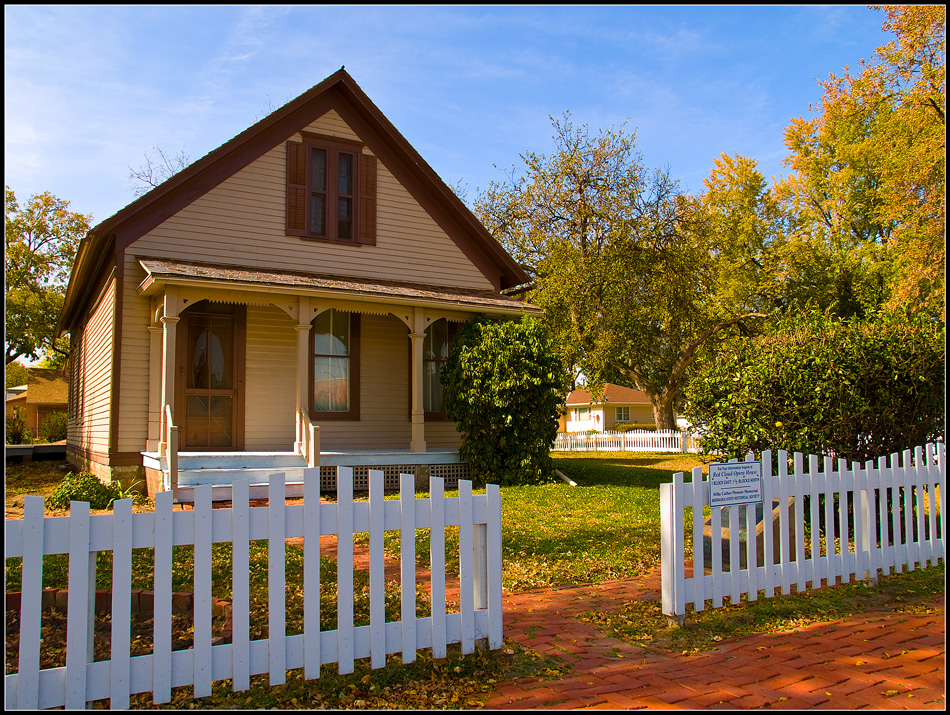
(163, 271)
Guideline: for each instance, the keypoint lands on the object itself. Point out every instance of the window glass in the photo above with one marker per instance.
(318, 169)
(331, 361)
(435, 351)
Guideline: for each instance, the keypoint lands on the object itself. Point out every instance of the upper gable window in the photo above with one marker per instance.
(331, 191)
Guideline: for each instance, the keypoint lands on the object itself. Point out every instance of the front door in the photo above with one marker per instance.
(211, 377)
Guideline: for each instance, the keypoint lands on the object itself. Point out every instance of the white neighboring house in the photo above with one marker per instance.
(617, 405)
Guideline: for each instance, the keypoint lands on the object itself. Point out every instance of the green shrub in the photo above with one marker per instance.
(814, 384)
(16, 432)
(86, 487)
(53, 427)
(502, 386)
(630, 426)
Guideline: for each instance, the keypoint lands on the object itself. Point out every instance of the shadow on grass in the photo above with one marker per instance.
(646, 471)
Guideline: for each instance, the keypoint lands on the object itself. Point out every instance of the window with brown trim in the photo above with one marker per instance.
(435, 351)
(331, 191)
(335, 366)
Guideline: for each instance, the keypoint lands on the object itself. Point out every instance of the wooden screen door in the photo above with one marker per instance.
(210, 378)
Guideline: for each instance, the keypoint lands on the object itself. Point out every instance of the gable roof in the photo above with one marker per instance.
(46, 387)
(614, 394)
(105, 242)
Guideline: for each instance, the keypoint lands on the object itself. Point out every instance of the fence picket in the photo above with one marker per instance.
(831, 573)
(240, 585)
(678, 527)
(344, 565)
(201, 603)
(162, 599)
(940, 458)
(407, 564)
(466, 579)
(919, 471)
(886, 558)
(799, 479)
(437, 565)
(785, 528)
(908, 482)
(31, 579)
(276, 566)
(121, 616)
(814, 489)
(768, 534)
(751, 545)
(377, 573)
(494, 575)
(699, 559)
(865, 547)
(844, 535)
(77, 627)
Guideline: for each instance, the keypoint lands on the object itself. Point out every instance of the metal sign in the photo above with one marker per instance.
(735, 483)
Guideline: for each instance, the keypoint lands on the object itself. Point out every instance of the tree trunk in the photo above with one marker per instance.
(663, 411)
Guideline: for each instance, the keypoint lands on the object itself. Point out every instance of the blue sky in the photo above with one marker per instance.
(90, 89)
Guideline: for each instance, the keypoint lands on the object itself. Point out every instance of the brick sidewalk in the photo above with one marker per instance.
(879, 660)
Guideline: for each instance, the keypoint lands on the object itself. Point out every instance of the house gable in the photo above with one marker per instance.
(260, 151)
(242, 222)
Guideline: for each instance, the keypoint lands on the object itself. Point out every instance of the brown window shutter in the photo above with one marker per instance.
(296, 189)
(367, 207)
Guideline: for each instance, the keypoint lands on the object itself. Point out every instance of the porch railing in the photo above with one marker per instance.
(309, 439)
(171, 451)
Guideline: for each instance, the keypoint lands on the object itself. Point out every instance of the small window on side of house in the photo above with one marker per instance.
(623, 414)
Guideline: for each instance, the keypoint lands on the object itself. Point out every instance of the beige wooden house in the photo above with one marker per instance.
(285, 301)
(617, 405)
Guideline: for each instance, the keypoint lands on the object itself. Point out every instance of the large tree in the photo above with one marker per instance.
(868, 186)
(41, 239)
(633, 276)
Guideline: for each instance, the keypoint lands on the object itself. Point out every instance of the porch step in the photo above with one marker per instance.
(275, 461)
(197, 477)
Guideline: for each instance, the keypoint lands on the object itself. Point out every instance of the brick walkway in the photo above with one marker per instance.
(879, 660)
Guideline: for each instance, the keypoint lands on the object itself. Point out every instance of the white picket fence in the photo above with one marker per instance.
(632, 441)
(880, 535)
(81, 536)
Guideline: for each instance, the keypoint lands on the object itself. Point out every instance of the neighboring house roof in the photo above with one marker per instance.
(614, 394)
(103, 246)
(182, 272)
(46, 387)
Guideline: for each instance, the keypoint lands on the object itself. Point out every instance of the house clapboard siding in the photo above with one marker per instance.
(89, 430)
(270, 404)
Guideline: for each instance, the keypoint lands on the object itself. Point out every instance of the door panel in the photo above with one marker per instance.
(210, 370)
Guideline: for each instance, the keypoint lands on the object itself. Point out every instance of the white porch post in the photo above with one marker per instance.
(169, 329)
(155, 409)
(303, 373)
(417, 441)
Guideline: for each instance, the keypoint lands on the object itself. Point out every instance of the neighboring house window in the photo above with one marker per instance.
(334, 342)
(582, 414)
(623, 414)
(331, 190)
(435, 351)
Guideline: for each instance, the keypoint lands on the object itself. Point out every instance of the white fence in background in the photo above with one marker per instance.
(81, 536)
(898, 520)
(632, 441)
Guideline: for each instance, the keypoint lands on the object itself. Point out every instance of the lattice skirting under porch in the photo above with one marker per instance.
(451, 473)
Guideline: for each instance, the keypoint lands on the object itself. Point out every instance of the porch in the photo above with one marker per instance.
(222, 469)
